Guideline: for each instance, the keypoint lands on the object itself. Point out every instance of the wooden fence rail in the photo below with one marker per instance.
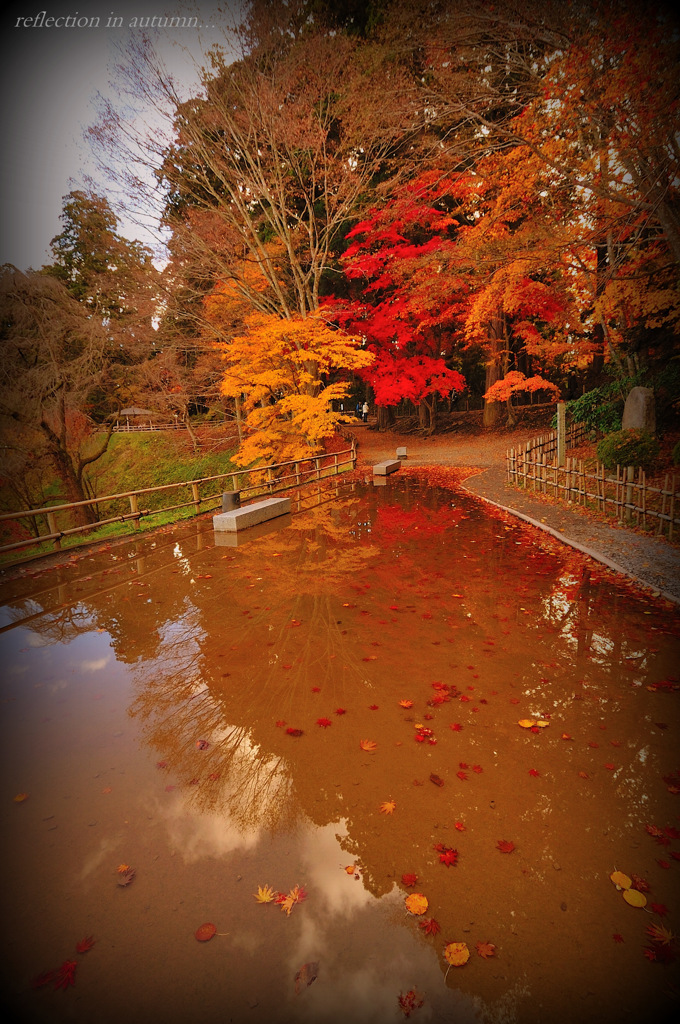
(251, 483)
(626, 496)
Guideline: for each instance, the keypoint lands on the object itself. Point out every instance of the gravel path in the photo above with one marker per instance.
(651, 561)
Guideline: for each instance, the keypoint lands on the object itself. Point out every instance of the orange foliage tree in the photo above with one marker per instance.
(288, 373)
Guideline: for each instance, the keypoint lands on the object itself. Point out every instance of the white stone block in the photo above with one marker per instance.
(401, 453)
(383, 468)
(251, 515)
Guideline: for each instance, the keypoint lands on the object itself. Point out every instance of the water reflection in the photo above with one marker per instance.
(220, 695)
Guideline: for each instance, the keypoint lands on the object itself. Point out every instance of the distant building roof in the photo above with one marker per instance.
(134, 411)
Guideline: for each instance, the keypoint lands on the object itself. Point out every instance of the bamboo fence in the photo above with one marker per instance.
(625, 496)
(53, 522)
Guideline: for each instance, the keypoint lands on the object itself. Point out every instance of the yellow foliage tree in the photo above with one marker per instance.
(288, 373)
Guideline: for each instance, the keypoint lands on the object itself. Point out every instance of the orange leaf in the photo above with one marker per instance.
(205, 932)
(405, 703)
(387, 807)
(456, 954)
(369, 746)
(505, 845)
(416, 903)
(486, 949)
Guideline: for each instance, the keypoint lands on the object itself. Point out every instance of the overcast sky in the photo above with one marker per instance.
(49, 78)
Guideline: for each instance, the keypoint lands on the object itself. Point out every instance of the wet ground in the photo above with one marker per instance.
(333, 704)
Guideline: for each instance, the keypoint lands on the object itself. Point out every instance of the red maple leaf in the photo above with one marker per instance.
(411, 1001)
(280, 724)
(460, 826)
(294, 732)
(65, 975)
(639, 883)
(505, 845)
(323, 722)
(85, 944)
(653, 830)
(316, 689)
(430, 926)
(617, 938)
(477, 768)
(448, 856)
(456, 726)
(409, 879)
(372, 707)
(462, 776)
(659, 908)
(436, 779)
(534, 773)
(463, 765)
(340, 711)
(663, 863)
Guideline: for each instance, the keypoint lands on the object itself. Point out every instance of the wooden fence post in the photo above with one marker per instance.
(195, 496)
(561, 431)
(134, 508)
(52, 527)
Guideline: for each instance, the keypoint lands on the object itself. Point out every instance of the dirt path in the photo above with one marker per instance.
(649, 560)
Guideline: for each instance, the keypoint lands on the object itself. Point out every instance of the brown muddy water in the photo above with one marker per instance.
(195, 712)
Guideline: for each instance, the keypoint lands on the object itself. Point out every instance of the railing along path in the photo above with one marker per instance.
(265, 480)
(626, 495)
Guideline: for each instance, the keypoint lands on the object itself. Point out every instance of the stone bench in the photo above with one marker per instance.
(384, 468)
(401, 453)
(251, 515)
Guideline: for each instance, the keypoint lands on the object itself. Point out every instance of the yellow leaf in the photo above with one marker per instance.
(635, 898)
(123, 869)
(527, 723)
(456, 954)
(621, 880)
(387, 807)
(416, 903)
(20, 797)
(368, 745)
(264, 894)
(350, 869)
(405, 703)
(542, 724)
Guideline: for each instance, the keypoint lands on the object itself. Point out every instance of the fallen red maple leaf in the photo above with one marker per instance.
(462, 776)
(430, 926)
(659, 908)
(294, 732)
(460, 826)
(409, 880)
(411, 1001)
(505, 845)
(534, 773)
(66, 974)
(456, 726)
(340, 711)
(436, 779)
(323, 722)
(85, 944)
(447, 855)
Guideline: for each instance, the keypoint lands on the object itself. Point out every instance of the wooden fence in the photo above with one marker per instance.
(626, 496)
(53, 521)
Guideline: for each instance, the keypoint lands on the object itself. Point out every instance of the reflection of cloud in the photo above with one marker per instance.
(96, 665)
(94, 861)
(195, 835)
(341, 892)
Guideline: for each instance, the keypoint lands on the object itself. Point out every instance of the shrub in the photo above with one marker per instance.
(675, 454)
(628, 448)
(600, 409)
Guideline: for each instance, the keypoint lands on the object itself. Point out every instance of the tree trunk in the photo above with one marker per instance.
(494, 369)
(190, 430)
(512, 415)
(74, 489)
(385, 417)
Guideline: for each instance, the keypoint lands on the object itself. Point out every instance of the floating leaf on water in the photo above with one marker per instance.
(456, 954)
(527, 723)
(634, 897)
(369, 746)
(541, 723)
(85, 944)
(306, 975)
(205, 932)
(20, 797)
(486, 949)
(621, 880)
(387, 807)
(416, 903)
(127, 877)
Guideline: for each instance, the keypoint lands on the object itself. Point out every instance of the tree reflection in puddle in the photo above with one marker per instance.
(197, 712)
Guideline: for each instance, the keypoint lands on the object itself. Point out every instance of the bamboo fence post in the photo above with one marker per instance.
(630, 478)
(270, 478)
(671, 510)
(195, 496)
(52, 527)
(663, 504)
(134, 509)
(335, 460)
(297, 473)
(643, 502)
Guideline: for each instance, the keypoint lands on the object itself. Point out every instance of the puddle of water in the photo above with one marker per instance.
(148, 699)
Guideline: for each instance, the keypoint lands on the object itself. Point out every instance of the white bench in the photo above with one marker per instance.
(251, 515)
(383, 468)
(401, 453)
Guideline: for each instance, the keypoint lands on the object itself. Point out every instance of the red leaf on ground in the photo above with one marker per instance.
(202, 744)
(639, 883)
(430, 926)
(411, 1001)
(659, 908)
(43, 979)
(477, 768)
(460, 826)
(372, 707)
(462, 776)
(486, 949)
(316, 689)
(280, 724)
(456, 726)
(85, 944)
(505, 845)
(534, 773)
(448, 856)
(617, 937)
(437, 781)
(323, 722)
(663, 863)
(340, 711)
(409, 879)
(66, 974)
(610, 767)
(205, 932)
(294, 732)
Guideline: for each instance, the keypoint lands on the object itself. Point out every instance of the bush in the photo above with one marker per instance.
(628, 448)
(675, 454)
(600, 409)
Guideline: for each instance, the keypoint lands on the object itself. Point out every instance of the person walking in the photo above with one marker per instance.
(364, 411)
